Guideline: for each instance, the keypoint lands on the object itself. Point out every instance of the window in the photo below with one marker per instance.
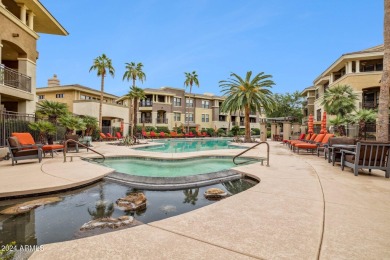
(83, 97)
(59, 95)
(205, 117)
(189, 102)
(41, 97)
(177, 102)
(205, 104)
(189, 117)
(176, 116)
(161, 99)
(319, 115)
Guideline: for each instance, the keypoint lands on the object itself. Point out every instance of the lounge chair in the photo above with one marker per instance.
(72, 145)
(119, 136)
(309, 146)
(153, 134)
(162, 135)
(311, 140)
(111, 137)
(26, 139)
(103, 137)
(174, 134)
(307, 138)
(22, 152)
(368, 155)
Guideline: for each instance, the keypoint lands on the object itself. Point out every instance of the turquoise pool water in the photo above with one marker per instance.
(171, 168)
(189, 145)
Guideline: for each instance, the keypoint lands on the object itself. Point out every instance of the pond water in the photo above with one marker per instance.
(61, 221)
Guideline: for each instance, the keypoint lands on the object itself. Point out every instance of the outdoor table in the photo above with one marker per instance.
(336, 148)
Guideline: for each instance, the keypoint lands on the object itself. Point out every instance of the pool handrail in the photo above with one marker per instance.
(78, 143)
(250, 148)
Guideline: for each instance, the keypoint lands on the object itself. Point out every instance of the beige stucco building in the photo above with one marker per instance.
(362, 70)
(82, 100)
(173, 107)
(20, 23)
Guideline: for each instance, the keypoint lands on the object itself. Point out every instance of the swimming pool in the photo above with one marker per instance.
(189, 145)
(150, 167)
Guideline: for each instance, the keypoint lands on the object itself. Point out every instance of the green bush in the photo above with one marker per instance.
(235, 130)
(268, 134)
(162, 129)
(255, 131)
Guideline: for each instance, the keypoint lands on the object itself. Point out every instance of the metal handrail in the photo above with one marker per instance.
(74, 141)
(250, 148)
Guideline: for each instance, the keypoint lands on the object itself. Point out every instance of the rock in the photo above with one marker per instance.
(134, 201)
(215, 193)
(107, 223)
(29, 205)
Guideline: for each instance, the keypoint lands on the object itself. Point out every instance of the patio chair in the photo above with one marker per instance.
(368, 155)
(309, 146)
(111, 137)
(291, 142)
(333, 153)
(309, 139)
(162, 135)
(174, 134)
(153, 134)
(26, 139)
(119, 136)
(324, 144)
(145, 135)
(104, 137)
(22, 152)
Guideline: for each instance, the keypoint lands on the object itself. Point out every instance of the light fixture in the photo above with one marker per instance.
(15, 35)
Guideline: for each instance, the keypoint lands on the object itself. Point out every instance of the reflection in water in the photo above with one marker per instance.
(191, 196)
(103, 208)
(62, 220)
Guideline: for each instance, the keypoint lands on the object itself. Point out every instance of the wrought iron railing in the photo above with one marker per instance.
(13, 78)
(146, 103)
(162, 120)
(145, 120)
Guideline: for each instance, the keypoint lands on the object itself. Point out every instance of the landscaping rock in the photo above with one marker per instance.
(215, 194)
(107, 223)
(134, 201)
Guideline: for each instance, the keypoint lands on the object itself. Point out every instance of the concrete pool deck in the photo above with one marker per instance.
(304, 208)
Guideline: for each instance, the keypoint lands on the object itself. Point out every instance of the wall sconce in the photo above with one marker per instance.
(15, 35)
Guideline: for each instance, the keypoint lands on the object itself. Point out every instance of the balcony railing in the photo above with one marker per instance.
(241, 123)
(162, 120)
(234, 123)
(370, 104)
(12, 78)
(145, 120)
(146, 103)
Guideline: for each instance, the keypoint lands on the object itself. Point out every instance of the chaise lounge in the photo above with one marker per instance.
(22, 152)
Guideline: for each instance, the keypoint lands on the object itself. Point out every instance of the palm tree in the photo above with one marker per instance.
(362, 117)
(248, 95)
(45, 128)
(52, 109)
(72, 123)
(103, 65)
(134, 94)
(382, 130)
(191, 79)
(91, 123)
(339, 100)
(134, 72)
(103, 208)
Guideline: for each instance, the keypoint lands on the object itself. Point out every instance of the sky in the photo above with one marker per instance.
(294, 41)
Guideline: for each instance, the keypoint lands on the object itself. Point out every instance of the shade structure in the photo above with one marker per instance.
(323, 124)
(310, 124)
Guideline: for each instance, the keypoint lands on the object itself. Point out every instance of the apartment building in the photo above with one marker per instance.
(20, 23)
(362, 70)
(83, 100)
(173, 107)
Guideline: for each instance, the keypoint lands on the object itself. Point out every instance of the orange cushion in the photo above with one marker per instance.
(24, 138)
(326, 138)
(306, 146)
(52, 147)
(319, 138)
(102, 135)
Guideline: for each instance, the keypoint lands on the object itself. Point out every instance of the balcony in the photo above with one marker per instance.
(145, 120)
(242, 123)
(14, 79)
(162, 121)
(145, 103)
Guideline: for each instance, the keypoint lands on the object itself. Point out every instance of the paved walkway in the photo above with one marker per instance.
(304, 208)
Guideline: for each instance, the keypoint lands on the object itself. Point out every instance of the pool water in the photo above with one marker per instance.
(189, 145)
(62, 220)
(171, 168)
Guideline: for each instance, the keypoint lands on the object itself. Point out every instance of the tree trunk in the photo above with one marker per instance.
(101, 104)
(188, 113)
(130, 117)
(247, 126)
(382, 129)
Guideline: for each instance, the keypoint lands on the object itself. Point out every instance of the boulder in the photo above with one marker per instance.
(107, 223)
(134, 201)
(215, 193)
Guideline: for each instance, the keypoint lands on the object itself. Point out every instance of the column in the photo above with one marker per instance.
(30, 21)
(1, 47)
(286, 130)
(296, 128)
(331, 78)
(28, 68)
(23, 12)
(263, 131)
(357, 66)
(273, 130)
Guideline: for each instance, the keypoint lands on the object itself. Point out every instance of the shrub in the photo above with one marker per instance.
(162, 129)
(255, 131)
(268, 134)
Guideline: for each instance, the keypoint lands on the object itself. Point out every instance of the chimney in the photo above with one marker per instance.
(53, 82)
